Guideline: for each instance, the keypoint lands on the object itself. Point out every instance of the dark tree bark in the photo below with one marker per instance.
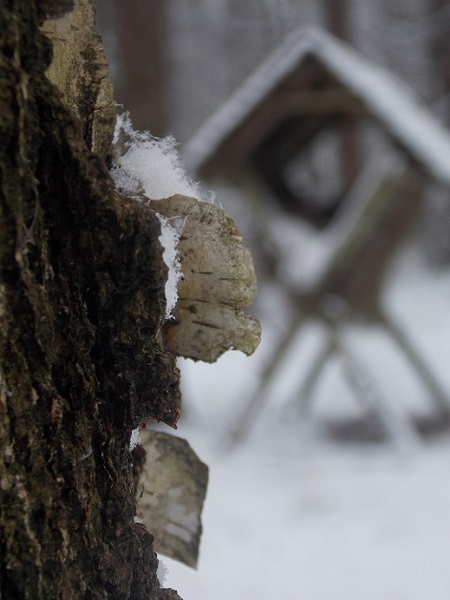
(81, 306)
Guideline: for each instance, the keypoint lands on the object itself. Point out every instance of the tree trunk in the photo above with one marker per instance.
(81, 306)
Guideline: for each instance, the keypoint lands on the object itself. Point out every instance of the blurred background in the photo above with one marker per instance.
(322, 127)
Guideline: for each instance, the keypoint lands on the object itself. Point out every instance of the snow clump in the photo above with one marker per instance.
(135, 440)
(149, 166)
(169, 238)
(162, 572)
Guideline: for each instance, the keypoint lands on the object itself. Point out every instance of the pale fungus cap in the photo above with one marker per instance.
(218, 281)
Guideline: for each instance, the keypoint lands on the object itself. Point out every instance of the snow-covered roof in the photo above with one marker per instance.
(387, 98)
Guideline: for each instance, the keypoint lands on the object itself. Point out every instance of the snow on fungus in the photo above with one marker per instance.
(169, 239)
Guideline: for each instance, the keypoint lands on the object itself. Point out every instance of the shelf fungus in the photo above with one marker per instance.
(218, 283)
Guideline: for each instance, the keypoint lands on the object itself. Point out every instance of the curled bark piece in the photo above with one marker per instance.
(171, 493)
(218, 282)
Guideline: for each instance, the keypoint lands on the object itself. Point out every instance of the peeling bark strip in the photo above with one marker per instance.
(81, 306)
(79, 70)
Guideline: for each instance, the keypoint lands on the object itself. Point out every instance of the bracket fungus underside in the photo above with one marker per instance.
(218, 283)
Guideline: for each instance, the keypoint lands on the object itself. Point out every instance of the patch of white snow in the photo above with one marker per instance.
(149, 165)
(169, 239)
(135, 440)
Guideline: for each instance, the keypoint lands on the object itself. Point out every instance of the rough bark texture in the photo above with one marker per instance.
(81, 304)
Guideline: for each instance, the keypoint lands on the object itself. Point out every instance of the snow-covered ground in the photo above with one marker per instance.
(341, 526)
(292, 514)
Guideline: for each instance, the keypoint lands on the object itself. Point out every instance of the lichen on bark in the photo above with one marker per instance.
(81, 306)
